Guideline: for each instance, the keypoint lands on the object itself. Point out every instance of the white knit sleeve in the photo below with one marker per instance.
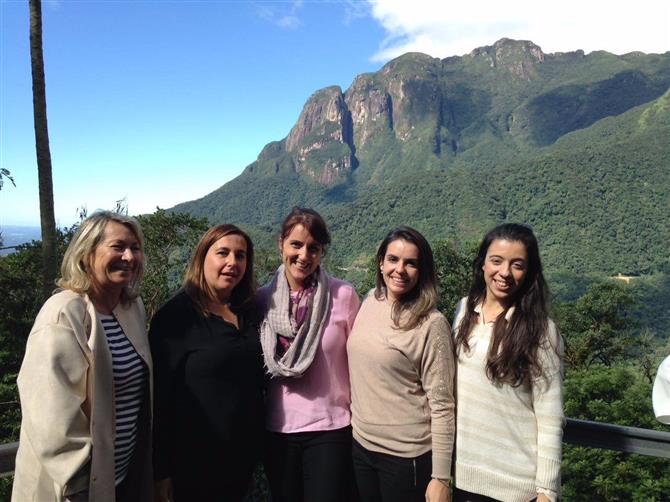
(548, 406)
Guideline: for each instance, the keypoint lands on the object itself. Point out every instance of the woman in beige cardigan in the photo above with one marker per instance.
(85, 379)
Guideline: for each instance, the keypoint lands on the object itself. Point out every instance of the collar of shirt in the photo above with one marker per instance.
(508, 314)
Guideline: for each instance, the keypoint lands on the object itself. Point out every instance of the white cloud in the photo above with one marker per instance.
(444, 28)
(354, 10)
(279, 14)
(288, 22)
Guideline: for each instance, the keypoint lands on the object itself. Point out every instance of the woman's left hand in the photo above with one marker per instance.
(439, 491)
(541, 497)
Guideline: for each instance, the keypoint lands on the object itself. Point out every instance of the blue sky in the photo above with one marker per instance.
(160, 102)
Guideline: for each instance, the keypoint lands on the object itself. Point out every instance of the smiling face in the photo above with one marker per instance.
(225, 265)
(301, 255)
(505, 269)
(116, 259)
(400, 268)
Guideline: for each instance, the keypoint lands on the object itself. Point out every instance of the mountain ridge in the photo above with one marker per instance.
(508, 110)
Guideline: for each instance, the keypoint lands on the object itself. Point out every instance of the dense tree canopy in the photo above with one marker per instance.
(610, 358)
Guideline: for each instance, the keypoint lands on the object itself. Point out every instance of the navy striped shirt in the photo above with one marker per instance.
(130, 376)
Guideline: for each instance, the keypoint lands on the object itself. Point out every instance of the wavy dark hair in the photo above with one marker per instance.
(414, 306)
(513, 351)
(195, 284)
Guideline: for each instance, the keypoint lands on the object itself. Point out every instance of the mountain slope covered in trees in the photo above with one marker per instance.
(575, 145)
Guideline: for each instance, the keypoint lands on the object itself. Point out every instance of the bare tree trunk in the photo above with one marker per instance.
(48, 222)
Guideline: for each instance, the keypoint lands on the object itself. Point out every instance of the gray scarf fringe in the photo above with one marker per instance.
(300, 354)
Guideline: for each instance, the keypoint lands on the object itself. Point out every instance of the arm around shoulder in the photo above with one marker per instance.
(353, 305)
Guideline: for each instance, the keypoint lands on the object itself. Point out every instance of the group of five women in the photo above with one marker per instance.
(339, 400)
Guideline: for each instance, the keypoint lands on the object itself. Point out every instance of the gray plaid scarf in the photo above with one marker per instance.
(305, 341)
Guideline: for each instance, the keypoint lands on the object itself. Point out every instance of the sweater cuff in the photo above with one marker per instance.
(548, 477)
(553, 496)
(441, 468)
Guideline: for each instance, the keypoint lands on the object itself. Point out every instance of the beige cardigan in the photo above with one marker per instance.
(67, 401)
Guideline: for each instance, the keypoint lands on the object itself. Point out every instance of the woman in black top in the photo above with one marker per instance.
(208, 420)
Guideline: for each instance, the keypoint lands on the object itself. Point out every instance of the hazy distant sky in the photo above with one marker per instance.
(160, 102)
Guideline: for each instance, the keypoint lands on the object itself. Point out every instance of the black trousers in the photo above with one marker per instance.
(463, 496)
(310, 466)
(387, 478)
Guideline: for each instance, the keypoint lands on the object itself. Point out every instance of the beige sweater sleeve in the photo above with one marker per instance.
(437, 378)
(52, 384)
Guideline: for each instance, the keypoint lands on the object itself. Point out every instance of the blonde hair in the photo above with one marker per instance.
(75, 269)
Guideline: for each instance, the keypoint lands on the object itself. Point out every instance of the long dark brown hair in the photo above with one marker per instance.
(195, 284)
(513, 352)
(410, 310)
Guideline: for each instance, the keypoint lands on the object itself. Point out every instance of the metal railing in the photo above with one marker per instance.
(7, 457)
(617, 437)
(578, 432)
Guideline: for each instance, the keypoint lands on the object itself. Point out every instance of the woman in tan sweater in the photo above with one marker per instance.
(401, 367)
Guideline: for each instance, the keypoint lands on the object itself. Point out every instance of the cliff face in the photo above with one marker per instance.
(321, 143)
(371, 109)
(426, 114)
(520, 58)
(572, 144)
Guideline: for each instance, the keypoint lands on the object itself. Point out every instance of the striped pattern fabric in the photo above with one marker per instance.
(130, 376)
(508, 445)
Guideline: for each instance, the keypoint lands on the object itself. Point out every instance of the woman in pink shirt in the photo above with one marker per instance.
(308, 317)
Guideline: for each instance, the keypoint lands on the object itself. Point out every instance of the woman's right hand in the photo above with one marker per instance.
(163, 490)
(438, 490)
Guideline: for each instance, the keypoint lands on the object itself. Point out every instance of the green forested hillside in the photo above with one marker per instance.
(578, 146)
(597, 198)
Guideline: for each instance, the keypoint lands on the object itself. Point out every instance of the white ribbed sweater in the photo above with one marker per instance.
(508, 441)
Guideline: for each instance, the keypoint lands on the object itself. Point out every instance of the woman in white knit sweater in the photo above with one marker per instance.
(509, 398)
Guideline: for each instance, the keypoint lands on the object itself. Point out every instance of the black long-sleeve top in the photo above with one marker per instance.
(208, 382)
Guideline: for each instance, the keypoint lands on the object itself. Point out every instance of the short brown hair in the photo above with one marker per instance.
(311, 220)
(195, 284)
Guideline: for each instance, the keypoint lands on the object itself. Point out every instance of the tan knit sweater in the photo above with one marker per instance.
(509, 438)
(402, 399)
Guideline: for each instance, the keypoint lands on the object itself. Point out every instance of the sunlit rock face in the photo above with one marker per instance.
(419, 113)
(321, 143)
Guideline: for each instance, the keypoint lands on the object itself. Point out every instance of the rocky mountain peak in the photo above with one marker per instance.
(324, 107)
(519, 57)
(422, 113)
(321, 143)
